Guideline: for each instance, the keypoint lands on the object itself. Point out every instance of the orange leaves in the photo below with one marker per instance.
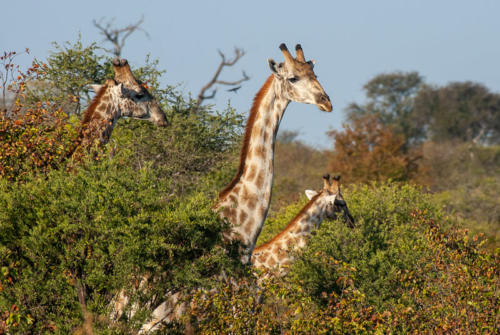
(33, 136)
(32, 140)
(367, 151)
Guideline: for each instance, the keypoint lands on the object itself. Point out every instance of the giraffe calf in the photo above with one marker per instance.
(277, 253)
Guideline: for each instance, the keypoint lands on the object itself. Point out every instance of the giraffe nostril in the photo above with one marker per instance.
(322, 98)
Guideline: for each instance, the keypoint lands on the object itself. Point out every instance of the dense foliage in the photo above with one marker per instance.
(90, 231)
(404, 268)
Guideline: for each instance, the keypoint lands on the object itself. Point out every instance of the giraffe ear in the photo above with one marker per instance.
(96, 87)
(273, 66)
(310, 194)
(312, 63)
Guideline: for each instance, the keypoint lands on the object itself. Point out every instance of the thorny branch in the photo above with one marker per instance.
(117, 36)
(238, 53)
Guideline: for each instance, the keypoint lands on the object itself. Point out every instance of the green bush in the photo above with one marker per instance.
(94, 231)
(192, 146)
(403, 269)
(386, 240)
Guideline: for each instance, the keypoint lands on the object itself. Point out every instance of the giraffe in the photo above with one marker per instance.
(276, 254)
(245, 201)
(123, 96)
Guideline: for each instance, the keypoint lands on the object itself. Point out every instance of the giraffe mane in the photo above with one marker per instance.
(246, 139)
(87, 116)
(290, 224)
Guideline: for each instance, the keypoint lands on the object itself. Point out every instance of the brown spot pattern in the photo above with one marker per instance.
(245, 195)
(262, 258)
(249, 226)
(259, 182)
(252, 171)
(260, 151)
(229, 213)
(251, 203)
(242, 217)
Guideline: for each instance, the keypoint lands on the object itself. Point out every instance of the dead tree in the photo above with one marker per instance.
(117, 36)
(238, 53)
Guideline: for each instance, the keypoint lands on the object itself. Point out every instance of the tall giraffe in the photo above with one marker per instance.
(277, 253)
(245, 201)
(123, 96)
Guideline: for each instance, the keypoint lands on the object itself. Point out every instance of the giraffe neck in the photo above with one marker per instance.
(100, 118)
(277, 252)
(246, 199)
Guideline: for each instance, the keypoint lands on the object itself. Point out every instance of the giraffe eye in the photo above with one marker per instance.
(293, 80)
(139, 95)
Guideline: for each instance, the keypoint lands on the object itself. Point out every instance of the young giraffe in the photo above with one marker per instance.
(245, 201)
(276, 254)
(123, 96)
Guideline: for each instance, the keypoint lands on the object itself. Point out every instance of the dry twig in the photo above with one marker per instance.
(238, 53)
(117, 36)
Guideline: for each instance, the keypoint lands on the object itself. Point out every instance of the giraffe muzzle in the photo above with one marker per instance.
(158, 117)
(324, 103)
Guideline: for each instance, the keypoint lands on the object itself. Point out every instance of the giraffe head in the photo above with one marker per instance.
(134, 100)
(298, 81)
(335, 202)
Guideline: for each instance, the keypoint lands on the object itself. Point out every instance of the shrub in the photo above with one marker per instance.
(192, 146)
(35, 140)
(403, 269)
(70, 242)
(383, 241)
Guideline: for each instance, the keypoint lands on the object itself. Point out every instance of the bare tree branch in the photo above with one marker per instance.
(117, 36)
(238, 53)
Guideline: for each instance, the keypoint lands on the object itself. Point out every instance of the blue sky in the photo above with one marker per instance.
(351, 41)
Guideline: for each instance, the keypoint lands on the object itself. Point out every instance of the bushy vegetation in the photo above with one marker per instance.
(89, 232)
(404, 268)
(73, 234)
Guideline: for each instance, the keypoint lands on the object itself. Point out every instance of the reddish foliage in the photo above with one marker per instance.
(368, 151)
(34, 137)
